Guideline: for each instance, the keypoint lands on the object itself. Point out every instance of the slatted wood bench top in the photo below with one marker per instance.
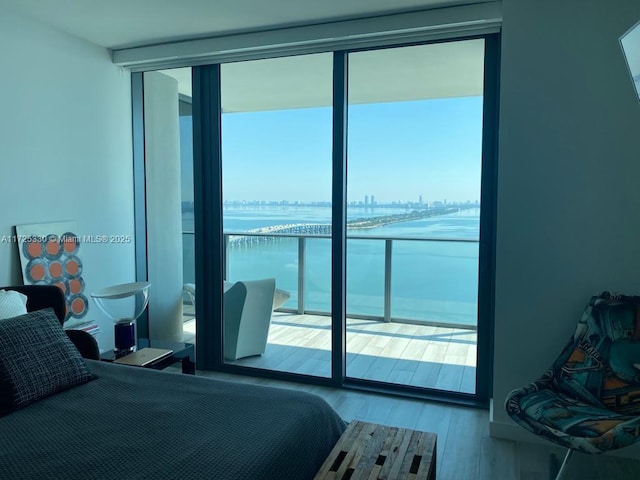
(370, 451)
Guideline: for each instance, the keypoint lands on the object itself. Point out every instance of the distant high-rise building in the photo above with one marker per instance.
(366, 200)
(420, 200)
(373, 200)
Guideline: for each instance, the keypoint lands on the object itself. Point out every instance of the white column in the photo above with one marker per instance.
(163, 202)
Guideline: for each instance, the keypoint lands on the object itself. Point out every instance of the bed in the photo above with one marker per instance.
(130, 422)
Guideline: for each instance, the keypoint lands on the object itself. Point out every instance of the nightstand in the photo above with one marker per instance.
(182, 352)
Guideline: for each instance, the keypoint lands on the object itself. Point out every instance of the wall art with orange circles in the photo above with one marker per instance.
(50, 255)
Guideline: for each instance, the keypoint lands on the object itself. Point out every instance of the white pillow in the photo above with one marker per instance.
(12, 304)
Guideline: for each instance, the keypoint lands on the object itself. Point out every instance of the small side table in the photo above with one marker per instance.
(182, 352)
(368, 450)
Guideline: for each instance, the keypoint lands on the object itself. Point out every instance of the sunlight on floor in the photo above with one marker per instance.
(370, 337)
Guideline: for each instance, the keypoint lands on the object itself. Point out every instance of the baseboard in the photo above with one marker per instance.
(511, 431)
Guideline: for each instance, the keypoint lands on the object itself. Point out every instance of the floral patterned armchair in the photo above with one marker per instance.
(589, 400)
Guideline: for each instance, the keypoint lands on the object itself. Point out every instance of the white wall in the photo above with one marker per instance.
(568, 182)
(65, 149)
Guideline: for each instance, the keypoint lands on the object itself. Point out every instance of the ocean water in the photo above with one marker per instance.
(430, 280)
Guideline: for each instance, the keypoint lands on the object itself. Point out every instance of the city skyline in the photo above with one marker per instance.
(188, 204)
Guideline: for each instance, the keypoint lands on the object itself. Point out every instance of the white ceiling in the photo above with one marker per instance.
(442, 70)
(118, 24)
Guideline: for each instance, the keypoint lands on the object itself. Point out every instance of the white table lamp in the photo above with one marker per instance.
(124, 304)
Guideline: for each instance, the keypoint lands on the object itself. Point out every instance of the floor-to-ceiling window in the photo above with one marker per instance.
(417, 134)
(164, 187)
(178, 96)
(414, 175)
(276, 204)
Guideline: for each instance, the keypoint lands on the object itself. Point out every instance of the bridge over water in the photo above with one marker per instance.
(278, 232)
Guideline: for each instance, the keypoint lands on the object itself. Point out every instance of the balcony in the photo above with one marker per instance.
(394, 335)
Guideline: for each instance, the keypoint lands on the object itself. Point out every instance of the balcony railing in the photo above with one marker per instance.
(249, 240)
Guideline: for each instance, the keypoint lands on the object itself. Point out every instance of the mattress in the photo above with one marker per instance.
(139, 423)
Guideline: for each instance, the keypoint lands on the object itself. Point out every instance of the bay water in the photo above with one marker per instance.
(432, 277)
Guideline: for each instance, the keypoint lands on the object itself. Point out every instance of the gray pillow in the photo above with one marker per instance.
(37, 359)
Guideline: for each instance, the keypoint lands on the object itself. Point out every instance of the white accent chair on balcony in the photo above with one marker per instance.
(247, 315)
(280, 296)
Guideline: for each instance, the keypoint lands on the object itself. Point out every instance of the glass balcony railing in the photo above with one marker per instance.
(414, 280)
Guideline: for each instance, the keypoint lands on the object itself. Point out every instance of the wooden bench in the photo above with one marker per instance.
(370, 451)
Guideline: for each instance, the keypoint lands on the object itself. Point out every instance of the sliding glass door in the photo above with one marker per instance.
(276, 204)
(377, 163)
(414, 175)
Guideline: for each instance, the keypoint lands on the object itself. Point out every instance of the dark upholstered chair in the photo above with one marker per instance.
(49, 296)
(589, 401)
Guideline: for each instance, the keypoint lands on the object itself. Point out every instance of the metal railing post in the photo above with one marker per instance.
(226, 257)
(302, 243)
(388, 244)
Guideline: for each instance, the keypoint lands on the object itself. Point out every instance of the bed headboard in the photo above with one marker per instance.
(43, 296)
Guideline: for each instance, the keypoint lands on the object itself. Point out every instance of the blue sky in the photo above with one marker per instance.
(396, 152)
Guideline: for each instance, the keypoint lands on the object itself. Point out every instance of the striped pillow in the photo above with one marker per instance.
(37, 359)
(12, 304)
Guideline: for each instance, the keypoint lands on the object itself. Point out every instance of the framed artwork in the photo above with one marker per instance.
(50, 255)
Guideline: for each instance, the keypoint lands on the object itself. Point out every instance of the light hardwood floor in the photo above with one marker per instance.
(465, 449)
(418, 355)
